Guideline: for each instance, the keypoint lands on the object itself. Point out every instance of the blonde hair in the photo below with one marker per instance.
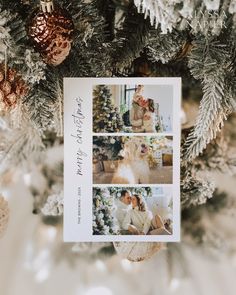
(139, 87)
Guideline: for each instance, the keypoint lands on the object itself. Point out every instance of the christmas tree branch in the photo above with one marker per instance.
(209, 62)
(130, 40)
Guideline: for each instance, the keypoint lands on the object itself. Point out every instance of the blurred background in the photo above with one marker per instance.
(34, 259)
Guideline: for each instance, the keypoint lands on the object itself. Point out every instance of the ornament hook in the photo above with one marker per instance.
(47, 5)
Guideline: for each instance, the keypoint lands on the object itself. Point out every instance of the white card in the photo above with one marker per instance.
(122, 159)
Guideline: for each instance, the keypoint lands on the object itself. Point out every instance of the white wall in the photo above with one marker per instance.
(163, 95)
(116, 93)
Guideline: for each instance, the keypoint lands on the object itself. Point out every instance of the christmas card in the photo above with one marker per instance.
(122, 159)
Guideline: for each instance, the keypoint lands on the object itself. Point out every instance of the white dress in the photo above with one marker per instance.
(141, 220)
(149, 125)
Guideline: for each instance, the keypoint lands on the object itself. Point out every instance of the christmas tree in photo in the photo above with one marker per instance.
(103, 220)
(106, 117)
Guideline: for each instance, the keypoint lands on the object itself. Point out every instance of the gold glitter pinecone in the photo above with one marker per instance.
(51, 34)
(12, 87)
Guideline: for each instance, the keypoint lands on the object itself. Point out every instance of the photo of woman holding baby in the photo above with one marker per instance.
(142, 114)
(133, 109)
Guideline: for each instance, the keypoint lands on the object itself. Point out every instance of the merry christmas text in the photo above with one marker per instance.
(78, 121)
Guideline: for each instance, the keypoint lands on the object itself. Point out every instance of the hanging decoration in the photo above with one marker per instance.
(51, 29)
(137, 251)
(12, 87)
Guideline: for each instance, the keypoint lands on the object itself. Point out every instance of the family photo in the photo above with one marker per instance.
(132, 108)
(132, 159)
(132, 211)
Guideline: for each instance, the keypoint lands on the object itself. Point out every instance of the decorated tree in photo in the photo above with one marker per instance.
(107, 147)
(106, 117)
(144, 191)
(103, 207)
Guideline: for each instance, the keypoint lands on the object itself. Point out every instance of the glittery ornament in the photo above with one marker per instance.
(12, 87)
(136, 251)
(4, 215)
(51, 28)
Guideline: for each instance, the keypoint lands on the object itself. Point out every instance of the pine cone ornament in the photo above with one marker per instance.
(4, 215)
(50, 29)
(12, 87)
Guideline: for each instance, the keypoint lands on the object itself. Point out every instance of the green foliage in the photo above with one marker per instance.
(42, 102)
(91, 54)
(164, 48)
(192, 219)
(14, 47)
(130, 40)
(102, 47)
(218, 157)
(21, 146)
(195, 191)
